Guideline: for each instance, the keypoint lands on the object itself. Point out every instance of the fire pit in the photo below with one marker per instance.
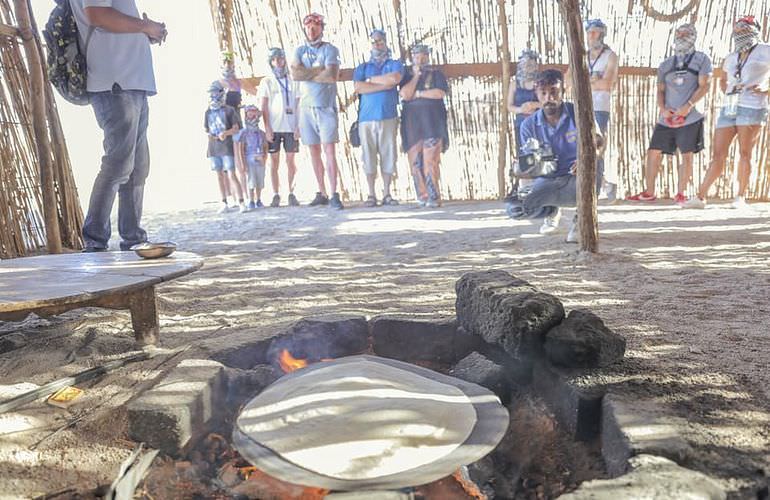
(364, 422)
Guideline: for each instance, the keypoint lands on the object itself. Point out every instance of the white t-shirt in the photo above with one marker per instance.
(281, 95)
(756, 71)
(122, 58)
(601, 98)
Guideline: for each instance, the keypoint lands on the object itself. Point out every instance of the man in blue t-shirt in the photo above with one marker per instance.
(316, 66)
(375, 82)
(552, 129)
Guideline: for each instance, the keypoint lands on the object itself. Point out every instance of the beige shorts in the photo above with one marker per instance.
(378, 142)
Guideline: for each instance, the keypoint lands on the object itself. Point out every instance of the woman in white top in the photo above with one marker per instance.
(744, 108)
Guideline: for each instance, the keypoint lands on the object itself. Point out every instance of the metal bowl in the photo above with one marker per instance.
(149, 250)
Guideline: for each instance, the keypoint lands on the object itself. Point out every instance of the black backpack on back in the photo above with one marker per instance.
(66, 61)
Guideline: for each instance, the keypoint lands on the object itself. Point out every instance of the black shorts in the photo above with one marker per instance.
(689, 139)
(290, 144)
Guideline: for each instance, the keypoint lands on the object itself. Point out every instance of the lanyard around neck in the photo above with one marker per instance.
(592, 64)
(739, 65)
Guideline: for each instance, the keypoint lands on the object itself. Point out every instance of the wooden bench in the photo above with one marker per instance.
(52, 284)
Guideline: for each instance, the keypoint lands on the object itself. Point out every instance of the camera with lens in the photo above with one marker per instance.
(535, 160)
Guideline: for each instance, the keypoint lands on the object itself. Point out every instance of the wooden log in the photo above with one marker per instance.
(9, 31)
(40, 128)
(505, 63)
(584, 114)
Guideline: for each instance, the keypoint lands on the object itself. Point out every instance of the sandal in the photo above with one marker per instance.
(370, 202)
(389, 201)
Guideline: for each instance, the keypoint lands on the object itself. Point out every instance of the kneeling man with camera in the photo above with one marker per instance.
(548, 155)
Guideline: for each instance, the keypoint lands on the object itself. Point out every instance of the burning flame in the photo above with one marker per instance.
(289, 363)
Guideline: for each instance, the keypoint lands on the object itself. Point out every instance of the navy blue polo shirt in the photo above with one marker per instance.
(381, 105)
(562, 138)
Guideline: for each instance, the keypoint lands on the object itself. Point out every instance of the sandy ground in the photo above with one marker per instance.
(688, 289)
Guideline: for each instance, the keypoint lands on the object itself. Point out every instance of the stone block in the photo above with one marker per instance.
(242, 385)
(651, 477)
(410, 339)
(634, 427)
(479, 369)
(506, 311)
(179, 409)
(582, 341)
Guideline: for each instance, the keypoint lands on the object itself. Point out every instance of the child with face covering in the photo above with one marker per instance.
(251, 153)
(220, 123)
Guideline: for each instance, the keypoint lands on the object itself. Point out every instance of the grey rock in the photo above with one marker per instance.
(582, 341)
(651, 477)
(479, 369)
(420, 339)
(12, 342)
(332, 336)
(506, 311)
(180, 408)
(244, 384)
(634, 427)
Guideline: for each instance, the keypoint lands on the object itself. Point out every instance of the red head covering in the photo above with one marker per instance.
(313, 18)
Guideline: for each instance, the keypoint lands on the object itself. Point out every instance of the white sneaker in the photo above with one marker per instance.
(551, 224)
(574, 231)
(694, 202)
(223, 209)
(738, 203)
(242, 208)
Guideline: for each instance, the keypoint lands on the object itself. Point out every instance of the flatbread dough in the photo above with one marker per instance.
(359, 420)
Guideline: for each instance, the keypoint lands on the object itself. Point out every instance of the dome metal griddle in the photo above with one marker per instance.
(491, 422)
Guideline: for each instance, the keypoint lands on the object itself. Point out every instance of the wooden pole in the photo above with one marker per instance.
(505, 61)
(584, 114)
(40, 128)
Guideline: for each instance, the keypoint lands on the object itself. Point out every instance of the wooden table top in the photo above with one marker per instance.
(54, 280)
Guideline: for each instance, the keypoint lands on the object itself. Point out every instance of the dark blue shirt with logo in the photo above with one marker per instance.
(562, 137)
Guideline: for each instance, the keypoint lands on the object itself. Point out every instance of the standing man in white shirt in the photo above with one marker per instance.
(280, 107)
(116, 39)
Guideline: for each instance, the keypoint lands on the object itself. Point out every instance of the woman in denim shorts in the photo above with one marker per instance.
(744, 108)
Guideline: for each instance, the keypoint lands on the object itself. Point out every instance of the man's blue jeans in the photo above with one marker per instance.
(122, 115)
(547, 195)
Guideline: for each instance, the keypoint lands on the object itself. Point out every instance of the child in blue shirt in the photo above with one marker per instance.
(251, 153)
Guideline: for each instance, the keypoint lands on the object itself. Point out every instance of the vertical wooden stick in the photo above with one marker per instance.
(40, 128)
(584, 114)
(505, 61)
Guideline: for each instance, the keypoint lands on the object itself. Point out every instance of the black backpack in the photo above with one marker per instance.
(66, 61)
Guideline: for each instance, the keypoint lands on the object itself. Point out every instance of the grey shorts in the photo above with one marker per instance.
(255, 172)
(744, 117)
(318, 126)
(379, 141)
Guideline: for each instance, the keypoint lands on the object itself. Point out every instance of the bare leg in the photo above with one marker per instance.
(235, 186)
(370, 180)
(432, 159)
(292, 167)
(243, 180)
(654, 157)
(318, 167)
(421, 191)
(685, 172)
(275, 159)
(747, 139)
(222, 179)
(386, 179)
(331, 165)
(722, 139)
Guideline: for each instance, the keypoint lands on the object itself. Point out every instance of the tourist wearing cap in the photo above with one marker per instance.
(316, 65)
(279, 95)
(221, 122)
(424, 133)
(744, 108)
(230, 82)
(603, 69)
(375, 82)
(683, 79)
(522, 99)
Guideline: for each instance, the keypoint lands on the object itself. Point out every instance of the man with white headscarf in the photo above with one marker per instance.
(316, 65)
(683, 79)
(744, 108)
(375, 82)
(279, 95)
